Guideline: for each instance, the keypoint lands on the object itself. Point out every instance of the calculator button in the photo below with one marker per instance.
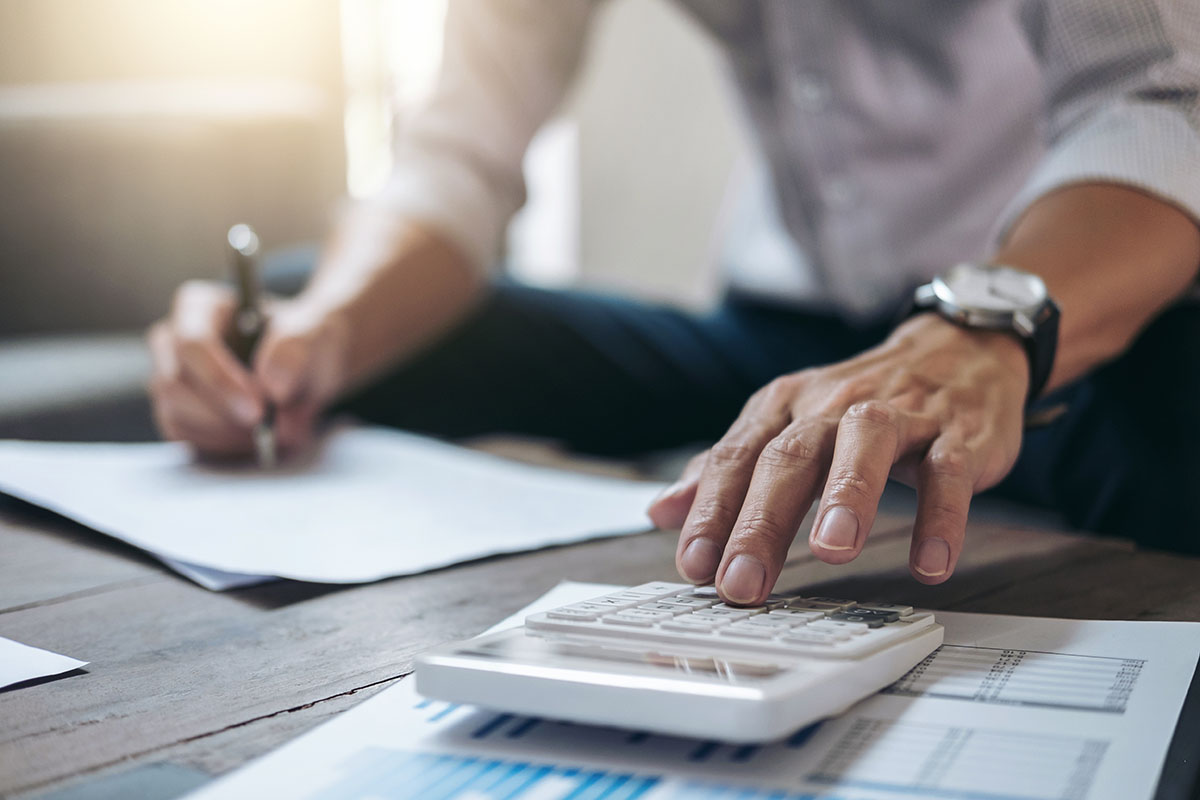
(664, 608)
(846, 618)
(798, 614)
(629, 597)
(572, 613)
(615, 602)
(819, 602)
(747, 631)
(727, 613)
(886, 616)
(703, 592)
(645, 613)
(850, 627)
(899, 608)
(767, 621)
(812, 609)
(687, 602)
(691, 625)
(658, 588)
(807, 638)
(747, 609)
(622, 619)
(599, 609)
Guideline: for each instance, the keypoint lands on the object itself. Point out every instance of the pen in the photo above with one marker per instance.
(249, 322)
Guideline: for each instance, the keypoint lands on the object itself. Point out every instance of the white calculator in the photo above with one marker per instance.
(672, 658)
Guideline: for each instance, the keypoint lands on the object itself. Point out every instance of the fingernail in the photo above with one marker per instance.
(933, 558)
(245, 409)
(700, 559)
(839, 529)
(743, 581)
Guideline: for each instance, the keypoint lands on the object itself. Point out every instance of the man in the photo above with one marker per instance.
(1057, 138)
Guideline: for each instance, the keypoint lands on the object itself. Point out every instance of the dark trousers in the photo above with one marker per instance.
(613, 376)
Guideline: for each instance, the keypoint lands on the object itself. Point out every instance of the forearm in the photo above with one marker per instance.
(394, 284)
(1112, 257)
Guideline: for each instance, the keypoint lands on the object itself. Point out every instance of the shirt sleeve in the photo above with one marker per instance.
(506, 65)
(1122, 86)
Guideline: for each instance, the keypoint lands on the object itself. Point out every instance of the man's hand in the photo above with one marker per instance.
(204, 396)
(936, 406)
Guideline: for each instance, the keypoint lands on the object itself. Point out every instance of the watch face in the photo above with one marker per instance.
(974, 286)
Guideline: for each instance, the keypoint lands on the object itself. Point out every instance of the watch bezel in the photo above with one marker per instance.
(1023, 320)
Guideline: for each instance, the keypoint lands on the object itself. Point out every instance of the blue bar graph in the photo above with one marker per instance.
(379, 772)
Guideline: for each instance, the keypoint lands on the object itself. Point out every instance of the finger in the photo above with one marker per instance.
(283, 368)
(786, 480)
(164, 365)
(945, 484)
(294, 427)
(184, 416)
(302, 357)
(669, 510)
(871, 437)
(723, 483)
(202, 314)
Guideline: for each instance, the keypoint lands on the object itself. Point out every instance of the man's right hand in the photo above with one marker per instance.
(204, 396)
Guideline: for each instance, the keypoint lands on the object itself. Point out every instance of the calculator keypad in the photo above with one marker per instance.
(696, 616)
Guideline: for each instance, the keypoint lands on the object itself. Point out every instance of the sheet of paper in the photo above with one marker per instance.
(20, 662)
(367, 504)
(1009, 708)
(214, 579)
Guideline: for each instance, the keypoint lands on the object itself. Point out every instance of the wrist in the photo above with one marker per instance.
(930, 330)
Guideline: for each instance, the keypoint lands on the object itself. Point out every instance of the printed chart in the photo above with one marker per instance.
(431, 776)
(941, 761)
(1023, 677)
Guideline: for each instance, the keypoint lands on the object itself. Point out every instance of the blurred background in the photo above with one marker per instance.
(133, 133)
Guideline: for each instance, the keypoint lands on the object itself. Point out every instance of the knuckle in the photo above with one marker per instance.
(732, 451)
(848, 392)
(873, 412)
(849, 485)
(948, 462)
(192, 291)
(713, 512)
(763, 527)
(790, 450)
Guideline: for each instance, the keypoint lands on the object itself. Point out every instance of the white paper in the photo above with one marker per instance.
(1010, 708)
(213, 579)
(20, 662)
(367, 504)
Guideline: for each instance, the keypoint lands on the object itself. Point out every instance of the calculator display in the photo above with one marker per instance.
(535, 650)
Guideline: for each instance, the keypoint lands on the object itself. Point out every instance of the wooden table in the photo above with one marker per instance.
(182, 676)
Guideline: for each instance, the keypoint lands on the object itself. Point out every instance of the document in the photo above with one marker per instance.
(20, 663)
(1009, 708)
(368, 503)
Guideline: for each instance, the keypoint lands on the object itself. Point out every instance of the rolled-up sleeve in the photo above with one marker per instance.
(1122, 85)
(506, 65)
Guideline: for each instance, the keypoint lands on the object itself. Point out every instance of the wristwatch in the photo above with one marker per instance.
(999, 298)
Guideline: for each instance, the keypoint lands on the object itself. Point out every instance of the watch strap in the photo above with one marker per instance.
(1042, 347)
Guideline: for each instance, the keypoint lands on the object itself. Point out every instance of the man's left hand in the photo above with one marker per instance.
(936, 406)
